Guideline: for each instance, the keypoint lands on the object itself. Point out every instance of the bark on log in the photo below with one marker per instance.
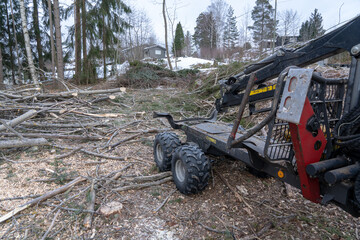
(19, 119)
(57, 125)
(54, 136)
(77, 93)
(23, 143)
(41, 198)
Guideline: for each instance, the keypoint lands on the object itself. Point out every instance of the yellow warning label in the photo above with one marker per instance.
(211, 139)
(263, 90)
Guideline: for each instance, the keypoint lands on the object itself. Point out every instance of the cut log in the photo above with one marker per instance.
(19, 119)
(54, 136)
(23, 143)
(65, 125)
(90, 207)
(77, 93)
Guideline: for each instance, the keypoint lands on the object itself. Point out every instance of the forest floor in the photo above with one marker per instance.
(267, 211)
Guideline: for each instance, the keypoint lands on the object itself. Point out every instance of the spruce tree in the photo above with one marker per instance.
(263, 27)
(179, 41)
(231, 33)
(312, 28)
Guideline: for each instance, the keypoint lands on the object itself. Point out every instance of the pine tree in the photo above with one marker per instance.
(312, 28)
(231, 33)
(263, 28)
(1, 68)
(179, 41)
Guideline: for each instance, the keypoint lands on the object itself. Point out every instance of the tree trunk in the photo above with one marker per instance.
(77, 42)
(27, 44)
(1, 68)
(38, 37)
(10, 46)
(83, 21)
(60, 61)
(19, 62)
(104, 47)
(52, 40)
(166, 40)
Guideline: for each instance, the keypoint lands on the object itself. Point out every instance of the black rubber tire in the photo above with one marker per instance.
(196, 169)
(164, 146)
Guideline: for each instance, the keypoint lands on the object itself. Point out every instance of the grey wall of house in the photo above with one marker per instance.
(153, 52)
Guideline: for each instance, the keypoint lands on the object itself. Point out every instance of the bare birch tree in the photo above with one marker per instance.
(27, 44)
(289, 23)
(166, 35)
(172, 19)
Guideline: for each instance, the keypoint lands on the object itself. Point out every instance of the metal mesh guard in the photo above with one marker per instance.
(323, 98)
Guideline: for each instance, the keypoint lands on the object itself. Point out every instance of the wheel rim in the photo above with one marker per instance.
(180, 170)
(159, 153)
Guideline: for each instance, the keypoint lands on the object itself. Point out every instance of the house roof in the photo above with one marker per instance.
(154, 46)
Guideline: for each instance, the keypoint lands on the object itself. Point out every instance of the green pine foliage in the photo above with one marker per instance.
(231, 33)
(179, 41)
(312, 28)
(263, 15)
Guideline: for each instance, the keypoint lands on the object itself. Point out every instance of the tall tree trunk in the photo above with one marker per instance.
(60, 61)
(1, 69)
(104, 47)
(52, 40)
(10, 45)
(83, 22)
(166, 37)
(77, 41)
(19, 62)
(27, 44)
(38, 37)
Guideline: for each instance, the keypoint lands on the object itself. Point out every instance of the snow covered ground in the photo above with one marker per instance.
(181, 63)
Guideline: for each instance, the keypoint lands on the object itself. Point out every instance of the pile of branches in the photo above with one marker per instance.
(32, 119)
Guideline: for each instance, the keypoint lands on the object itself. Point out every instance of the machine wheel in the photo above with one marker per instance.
(164, 146)
(190, 168)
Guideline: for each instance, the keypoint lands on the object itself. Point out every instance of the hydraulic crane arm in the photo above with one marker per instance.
(344, 38)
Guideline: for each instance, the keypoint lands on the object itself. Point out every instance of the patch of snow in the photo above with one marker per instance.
(182, 62)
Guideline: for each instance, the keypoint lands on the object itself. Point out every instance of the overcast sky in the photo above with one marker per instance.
(189, 10)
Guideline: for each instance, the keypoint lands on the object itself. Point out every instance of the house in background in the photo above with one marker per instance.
(155, 51)
(284, 40)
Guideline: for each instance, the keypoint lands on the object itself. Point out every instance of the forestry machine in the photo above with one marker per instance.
(313, 125)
